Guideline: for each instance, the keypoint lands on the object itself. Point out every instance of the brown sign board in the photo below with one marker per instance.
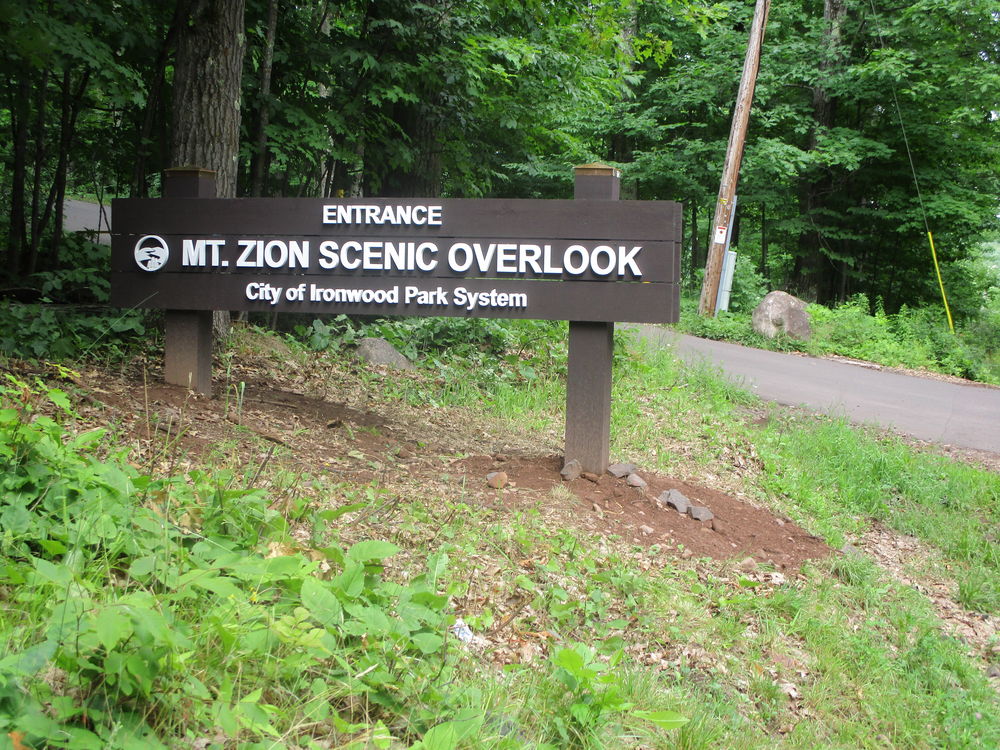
(545, 259)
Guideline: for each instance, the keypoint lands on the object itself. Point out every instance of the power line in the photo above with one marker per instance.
(913, 172)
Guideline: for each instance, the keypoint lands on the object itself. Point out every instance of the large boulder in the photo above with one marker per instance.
(780, 312)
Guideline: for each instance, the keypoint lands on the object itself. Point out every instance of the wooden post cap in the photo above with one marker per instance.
(189, 171)
(596, 169)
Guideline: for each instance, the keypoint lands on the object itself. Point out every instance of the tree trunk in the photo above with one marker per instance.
(695, 254)
(258, 165)
(421, 178)
(207, 79)
(817, 272)
(70, 110)
(208, 76)
(153, 109)
(19, 115)
(763, 244)
(30, 259)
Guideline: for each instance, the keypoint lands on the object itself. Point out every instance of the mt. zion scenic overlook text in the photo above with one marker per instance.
(489, 258)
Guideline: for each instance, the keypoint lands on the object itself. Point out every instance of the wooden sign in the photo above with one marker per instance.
(544, 259)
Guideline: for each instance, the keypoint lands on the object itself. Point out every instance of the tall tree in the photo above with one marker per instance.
(208, 75)
(846, 98)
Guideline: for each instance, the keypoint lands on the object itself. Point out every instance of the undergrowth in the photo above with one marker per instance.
(913, 338)
(139, 610)
(69, 318)
(178, 610)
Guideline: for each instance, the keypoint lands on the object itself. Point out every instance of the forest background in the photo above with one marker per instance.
(873, 123)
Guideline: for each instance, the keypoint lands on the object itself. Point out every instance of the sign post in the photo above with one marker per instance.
(591, 350)
(187, 345)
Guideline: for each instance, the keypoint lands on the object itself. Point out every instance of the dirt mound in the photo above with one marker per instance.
(611, 507)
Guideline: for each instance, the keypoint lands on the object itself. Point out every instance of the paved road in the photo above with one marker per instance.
(81, 215)
(967, 416)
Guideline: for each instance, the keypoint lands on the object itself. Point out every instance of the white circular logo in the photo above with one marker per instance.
(151, 252)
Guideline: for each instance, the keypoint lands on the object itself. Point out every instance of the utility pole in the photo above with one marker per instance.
(719, 231)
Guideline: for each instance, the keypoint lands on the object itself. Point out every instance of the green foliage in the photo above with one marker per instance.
(82, 274)
(41, 331)
(826, 180)
(913, 338)
(495, 351)
(71, 321)
(595, 694)
(838, 477)
(122, 581)
(749, 287)
(728, 326)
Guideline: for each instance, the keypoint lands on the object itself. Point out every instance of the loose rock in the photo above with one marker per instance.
(621, 470)
(590, 477)
(378, 351)
(634, 480)
(647, 530)
(699, 513)
(675, 500)
(497, 479)
(571, 470)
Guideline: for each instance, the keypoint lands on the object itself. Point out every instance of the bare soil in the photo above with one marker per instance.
(610, 507)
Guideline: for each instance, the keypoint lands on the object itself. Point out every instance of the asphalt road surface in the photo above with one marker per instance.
(967, 416)
(79, 216)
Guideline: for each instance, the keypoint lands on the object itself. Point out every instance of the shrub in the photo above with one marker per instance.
(749, 287)
(71, 320)
(149, 611)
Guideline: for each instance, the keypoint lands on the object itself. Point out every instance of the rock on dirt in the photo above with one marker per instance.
(572, 470)
(634, 480)
(497, 479)
(378, 351)
(676, 500)
(699, 513)
(621, 470)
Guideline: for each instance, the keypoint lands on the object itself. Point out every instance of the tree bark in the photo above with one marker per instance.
(29, 261)
(421, 178)
(763, 244)
(19, 115)
(695, 254)
(208, 75)
(57, 195)
(258, 165)
(207, 87)
(153, 109)
(817, 272)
